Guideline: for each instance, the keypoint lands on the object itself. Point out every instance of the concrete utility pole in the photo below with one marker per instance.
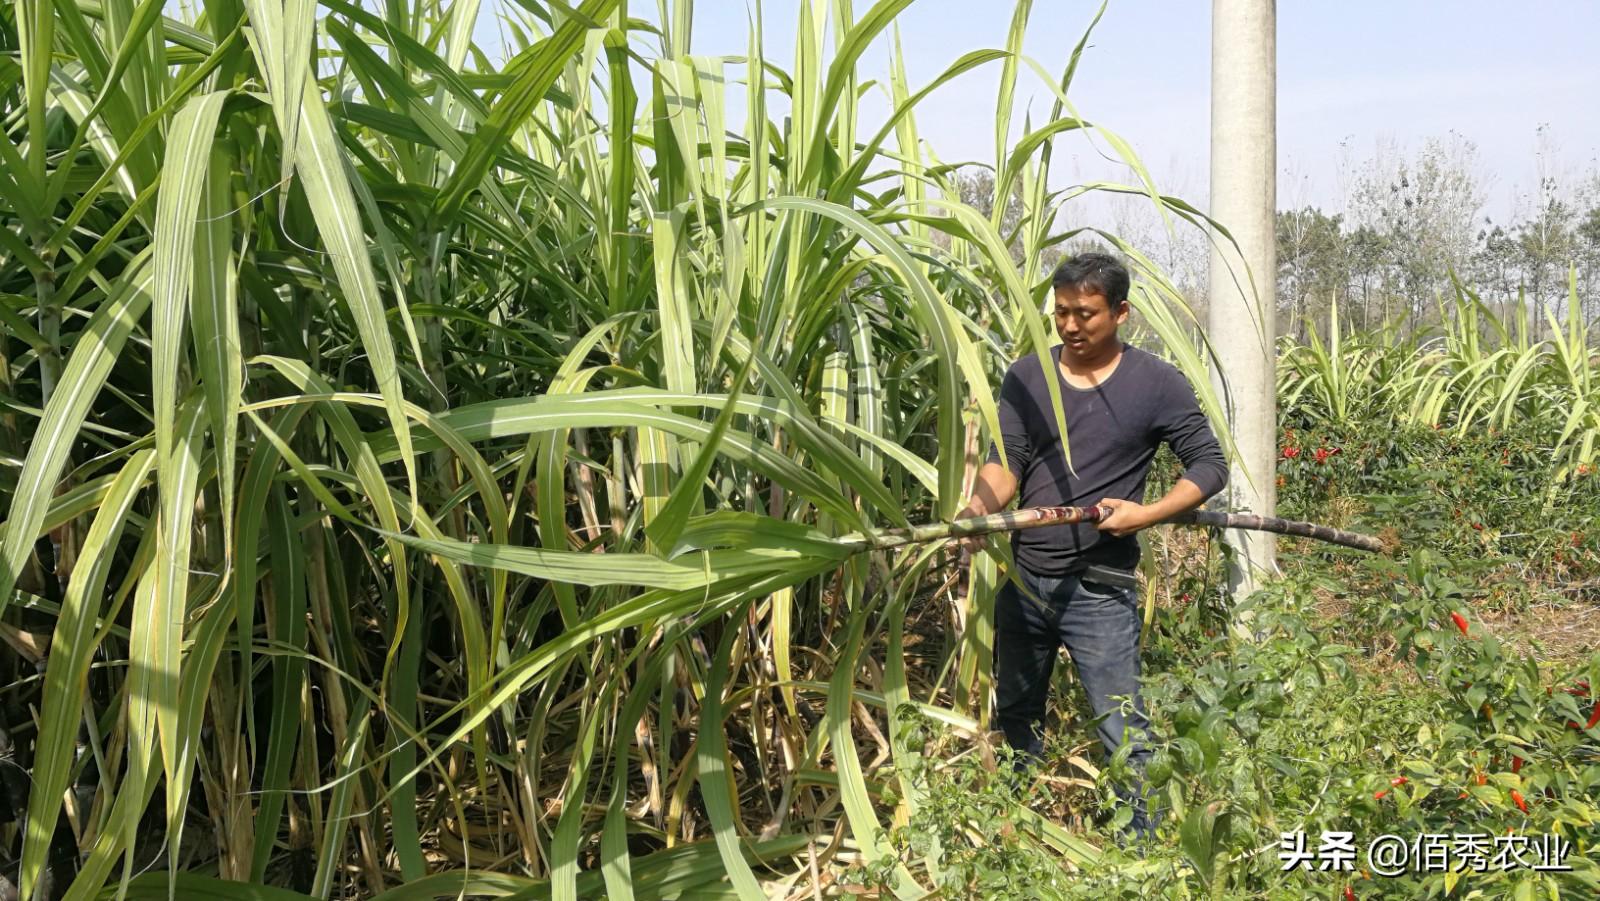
(1243, 280)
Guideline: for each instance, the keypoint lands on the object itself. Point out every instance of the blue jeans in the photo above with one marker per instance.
(1099, 624)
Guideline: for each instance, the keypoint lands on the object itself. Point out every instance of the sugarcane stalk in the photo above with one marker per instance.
(1009, 521)
(1283, 527)
(1038, 517)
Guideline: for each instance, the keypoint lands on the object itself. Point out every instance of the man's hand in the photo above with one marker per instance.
(992, 490)
(1126, 517)
(971, 545)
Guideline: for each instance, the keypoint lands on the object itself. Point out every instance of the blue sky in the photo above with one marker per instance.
(1353, 76)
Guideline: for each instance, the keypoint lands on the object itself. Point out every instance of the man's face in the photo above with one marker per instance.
(1087, 324)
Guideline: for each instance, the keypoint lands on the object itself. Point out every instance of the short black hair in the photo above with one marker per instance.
(1094, 273)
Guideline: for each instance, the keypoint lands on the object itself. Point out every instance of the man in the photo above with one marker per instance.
(1120, 403)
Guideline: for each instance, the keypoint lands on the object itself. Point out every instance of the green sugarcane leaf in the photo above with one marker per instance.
(538, 72)
(665, 529)
(696, 571)
(712, 772)
(92, 357)
(933, 316)
(162, 886)
(72, 648)
(287, 625)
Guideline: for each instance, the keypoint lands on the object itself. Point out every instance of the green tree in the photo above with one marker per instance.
(1365, 253)
(1586, 242)
(1313, 265)
(1546, 242)
(1495, 264)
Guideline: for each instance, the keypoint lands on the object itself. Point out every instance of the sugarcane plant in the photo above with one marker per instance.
(1478, 371)
(423, 468)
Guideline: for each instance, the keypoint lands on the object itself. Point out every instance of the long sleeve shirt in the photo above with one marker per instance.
(1114, 430)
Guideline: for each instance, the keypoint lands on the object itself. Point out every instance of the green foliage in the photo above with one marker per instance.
(412, 465)
(966, 824)
(404, 458)
(1480, 373)
(1295, 730)
(1351, 701)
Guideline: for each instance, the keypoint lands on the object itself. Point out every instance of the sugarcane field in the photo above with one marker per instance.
(546, 450)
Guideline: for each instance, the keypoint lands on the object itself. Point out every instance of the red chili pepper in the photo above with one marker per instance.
(1594, 717)
(1460, 796)
(1482, 778)
(1378, 795)
(1322, 455)
(1290, 452)
(1516, 798)
(1460, 621)
(1348, 894)
(1516, 763)
(1478, 526)
(1398, 780)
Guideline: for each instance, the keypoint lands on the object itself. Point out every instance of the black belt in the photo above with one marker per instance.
(1105, 575)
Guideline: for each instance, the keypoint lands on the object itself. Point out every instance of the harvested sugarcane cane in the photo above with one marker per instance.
(1037, 517)
(1283, 527)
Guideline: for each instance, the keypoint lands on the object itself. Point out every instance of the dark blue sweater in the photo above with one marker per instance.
(1114, 429)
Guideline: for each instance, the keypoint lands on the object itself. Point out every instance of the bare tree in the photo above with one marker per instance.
(1425, 209)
